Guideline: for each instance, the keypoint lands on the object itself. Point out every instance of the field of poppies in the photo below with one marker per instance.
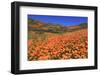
(52, 46)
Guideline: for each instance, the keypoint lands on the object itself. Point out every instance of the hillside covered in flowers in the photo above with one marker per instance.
(55, 42)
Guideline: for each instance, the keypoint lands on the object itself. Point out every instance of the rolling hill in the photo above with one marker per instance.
(34, 25)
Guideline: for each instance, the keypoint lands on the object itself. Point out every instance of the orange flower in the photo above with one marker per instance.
(66, 46)
(43, 57)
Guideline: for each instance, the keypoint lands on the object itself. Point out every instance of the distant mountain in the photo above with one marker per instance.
(35, 25)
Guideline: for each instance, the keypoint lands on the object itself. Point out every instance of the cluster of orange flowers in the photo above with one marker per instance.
(71, 45)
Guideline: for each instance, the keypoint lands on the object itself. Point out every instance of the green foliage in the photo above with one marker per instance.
(32, 22)
(83, 25)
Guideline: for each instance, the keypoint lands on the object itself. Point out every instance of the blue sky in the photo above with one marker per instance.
(63, 20)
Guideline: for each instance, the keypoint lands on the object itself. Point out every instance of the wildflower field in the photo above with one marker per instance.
(56, 42)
